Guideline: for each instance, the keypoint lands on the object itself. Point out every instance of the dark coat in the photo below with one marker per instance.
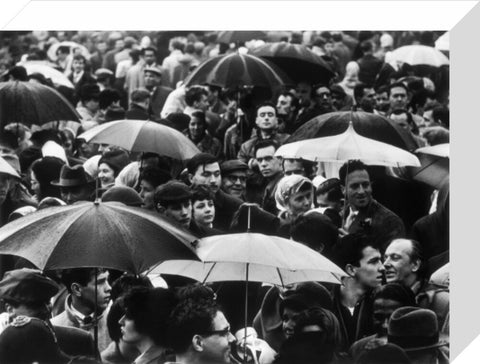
(75, 342)
(225, 207)
(370, 66)
(157, 101)
(432, 232)
(136, 113)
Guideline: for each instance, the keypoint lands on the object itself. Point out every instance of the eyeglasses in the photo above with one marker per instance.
(294, 171)
(233, 178)
(225, 332)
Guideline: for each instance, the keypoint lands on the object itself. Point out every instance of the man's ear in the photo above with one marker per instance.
(9, 309)
(76, 289)
(197, 343)
(343, 189)
(416, 265)
(160, 208)
(190, 178)
(350, 270)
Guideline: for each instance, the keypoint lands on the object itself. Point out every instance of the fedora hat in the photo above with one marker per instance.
(153, 69)
(414, 329)
(27, 285)
(73, 177)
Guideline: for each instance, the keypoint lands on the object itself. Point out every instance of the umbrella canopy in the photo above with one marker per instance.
(57, 77)
(366, 124)
(6, 168)
(346, 146)
(297, 60)
(88, 234)
(443, 42)
(420, 55)
(435, 165)
(240, 36)
(255, 257)
(52, 51)
(31, 103)
(237, 70)
(142, 136)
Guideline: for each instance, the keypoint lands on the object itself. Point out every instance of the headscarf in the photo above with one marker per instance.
(288, 186)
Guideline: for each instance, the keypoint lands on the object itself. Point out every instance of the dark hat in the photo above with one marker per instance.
(153, 69)
(116, 159)
(414, 328)
(89, 91)
(173, 191)
(124, 194)
(388, 353)
(327, 185)
(30, 340)
(233, 165)
(47, 169)
(73, 177)
(27, 285)
(19, 73)
(307, 295)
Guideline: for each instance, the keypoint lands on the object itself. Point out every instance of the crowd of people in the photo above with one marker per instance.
(388, 232)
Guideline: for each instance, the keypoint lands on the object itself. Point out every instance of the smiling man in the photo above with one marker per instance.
(365, 214)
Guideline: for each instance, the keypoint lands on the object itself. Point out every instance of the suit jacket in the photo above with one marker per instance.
(225, 207)
(157, 101)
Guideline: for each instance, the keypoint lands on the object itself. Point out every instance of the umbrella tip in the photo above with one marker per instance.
(97, 201)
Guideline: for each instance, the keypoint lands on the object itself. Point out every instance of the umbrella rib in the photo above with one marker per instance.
(280, 276)
(209, 272)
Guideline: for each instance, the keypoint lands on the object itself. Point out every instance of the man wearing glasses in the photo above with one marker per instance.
(199, 333)
(234, 178)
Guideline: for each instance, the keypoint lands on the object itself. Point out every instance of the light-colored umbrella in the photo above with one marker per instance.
(443, 42)
(142, 136)
(439, 150)
(57, 77)
(6, 168)
(347, 146)
(52, 51)
(435, 165)
(420, 55)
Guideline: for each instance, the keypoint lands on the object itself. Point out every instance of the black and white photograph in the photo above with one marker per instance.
(224, 196)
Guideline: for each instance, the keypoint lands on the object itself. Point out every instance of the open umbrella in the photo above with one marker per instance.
(96, 234)
(52, 51)
(237, 70)
(435, 166)
(142, 136)
(420, 55)
(6, 168)
(46, 69)
(297, 60)
(240, 36)
(346, 146)
(366, 124)
(31, 103)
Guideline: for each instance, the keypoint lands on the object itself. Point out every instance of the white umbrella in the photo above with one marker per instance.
(6, 168)
(439, 150)
(52, 51)
(57, 77)
(347, 146)
(443, 42)
(420, 55)
(142, 136)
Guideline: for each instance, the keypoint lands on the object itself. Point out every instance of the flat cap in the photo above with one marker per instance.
(27, 285)
(327, 185)
(233, 165)
(173, 191)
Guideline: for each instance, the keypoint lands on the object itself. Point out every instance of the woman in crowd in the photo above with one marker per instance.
(197, 132)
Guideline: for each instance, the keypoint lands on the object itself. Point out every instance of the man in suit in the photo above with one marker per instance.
(27, 292)
(158, 93)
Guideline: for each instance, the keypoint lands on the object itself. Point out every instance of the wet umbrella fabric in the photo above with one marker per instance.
(347, 146)
(142, 136)
(87, 234)
(297, 60)
(31, 103)
(366, 124)
(435, 165)
(237, 70)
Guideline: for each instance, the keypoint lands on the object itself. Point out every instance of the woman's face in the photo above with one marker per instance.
(129, 332)
(106, 175)
(34, 184)
(68, 147)
(203, 212)
(196, 128)
(300, 202)
(146, 193)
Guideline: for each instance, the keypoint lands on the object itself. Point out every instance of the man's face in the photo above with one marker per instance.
(401, 120)
(181, 212)
(323, 97)
(382, 310)
(5, 184)
(73, 194)
(149, 57)
(268, 164)
(235, 183)
(289, 321)
(92, 105)
(119, 44)
(382, 101)
(398, 98)
(358, 190)
(369, 273)
(399, 267)
(293, 166)
(303, 94)
(368, 99)
(266, 118)
(196, 128)
(207, 175)
(147, 191)
(202, 103)
(284, 105)
(78, 65)
(151, 79)
(216, 347)
(203, 212)
(87, 293)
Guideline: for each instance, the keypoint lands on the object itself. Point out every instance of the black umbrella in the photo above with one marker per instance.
(32, 103)
(366, 124)
(240, 36)
(297, 60)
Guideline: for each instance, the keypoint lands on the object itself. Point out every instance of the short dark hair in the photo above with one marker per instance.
(200, 159)
(306, 164)
(294, 98)
(193, 94)
(126, 282)
(140, 95)
(190, 317)
(265, 144)
(155, 176)
(80, 57)
(366, 46)
(359, 90)
(441, 115)
(149, 48)
(351, 166)
(266, 103)
(200, 115)
(314, 230)
(201, 192)
(82, 276)
(397, 84)
(417, 254)
(397, 292)
(350, 248)
(107, 97)
(150, 308)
